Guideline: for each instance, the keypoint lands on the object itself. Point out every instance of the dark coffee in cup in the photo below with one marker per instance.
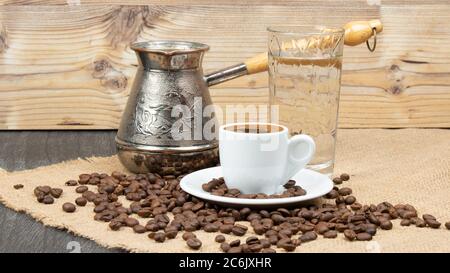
(256, 128)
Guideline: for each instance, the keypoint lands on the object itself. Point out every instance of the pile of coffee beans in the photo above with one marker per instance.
(171, 212)
(175, 164)
(252, 244)
(218, 187)
(46, 194)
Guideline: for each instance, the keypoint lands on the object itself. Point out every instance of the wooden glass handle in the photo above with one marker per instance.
(356, 32)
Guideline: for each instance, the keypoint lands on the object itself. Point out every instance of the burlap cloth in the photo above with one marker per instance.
(399, 166)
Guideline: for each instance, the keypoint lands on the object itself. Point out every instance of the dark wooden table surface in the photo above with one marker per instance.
(21, 150)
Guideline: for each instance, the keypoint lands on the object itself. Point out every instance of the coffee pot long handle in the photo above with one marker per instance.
(356, 32)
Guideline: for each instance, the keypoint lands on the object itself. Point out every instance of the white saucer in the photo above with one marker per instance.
(315, 184)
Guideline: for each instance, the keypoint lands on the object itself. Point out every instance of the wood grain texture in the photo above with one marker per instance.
(70, 67)
(25, 150)
(179, 2)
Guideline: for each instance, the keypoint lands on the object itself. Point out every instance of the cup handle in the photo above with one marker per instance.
(301, 149)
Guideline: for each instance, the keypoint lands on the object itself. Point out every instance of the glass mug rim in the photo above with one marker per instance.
(302, 30)
(225, 128)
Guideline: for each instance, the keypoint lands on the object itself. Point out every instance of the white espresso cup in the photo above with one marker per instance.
(260, 157)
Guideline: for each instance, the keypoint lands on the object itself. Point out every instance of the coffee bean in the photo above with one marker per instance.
(278, 218)
(418, 222)
(259, 229)
(356, 206)
(171, 232)
(289, 184)
(144, 212)
(321, 228)
(18, 186)
(252, 240)
(194, 243)
(160, 237)
(405, 222)
(115, 225)
(139, 229)
(81, 201)
(286, 244)
(255, 248)
(220, 239)
(271, 232)
(56, 192)
(345, 191)
(373, 219)
(306, 228)
(265, 243)
(332, 194)
(350, 234)
(284, 212)
(350, 200)
(84, 178)
(341, 227)
(386, 225)
(308, 236)
(357, 218)
(268, 250)
(427, 217)
(109, 188)
(159, 210)
(433, 223)
(326, 216)
(337, 180)
(239, 230)
(81, 189)
(447, 225)
(273, 239)
(226, 229)
(131, 222)
(48, 200)
(236, 249)
(244, 212)
(188, 235)
(89, 195)
(71, 183)
(408, 214)
(330, 234)
(363, 236)
(211, 228)
(345, 177)
(69, 207)
(43, 189)
(235, 243)
(40, 197)
(225, 247)
(340, 200)
(188, 226)
(285, 233)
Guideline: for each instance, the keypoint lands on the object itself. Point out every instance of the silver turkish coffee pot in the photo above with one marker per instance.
(170, 75)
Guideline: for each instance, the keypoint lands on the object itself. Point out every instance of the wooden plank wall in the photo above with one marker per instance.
(67, 64)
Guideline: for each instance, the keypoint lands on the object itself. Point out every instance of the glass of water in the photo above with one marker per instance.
(305, 77)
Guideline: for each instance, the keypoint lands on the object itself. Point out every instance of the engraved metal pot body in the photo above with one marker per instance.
(161, 129)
